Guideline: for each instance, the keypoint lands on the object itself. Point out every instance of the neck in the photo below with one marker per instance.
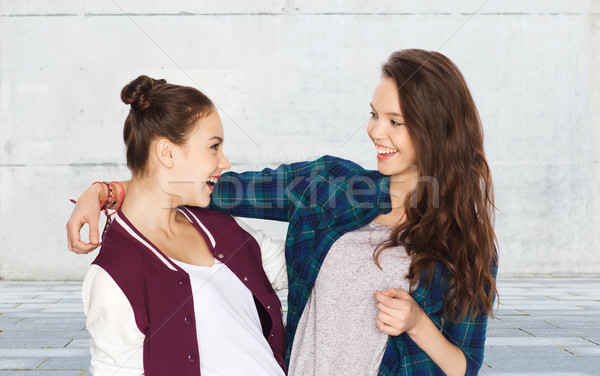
(400, 187)
(149, 208)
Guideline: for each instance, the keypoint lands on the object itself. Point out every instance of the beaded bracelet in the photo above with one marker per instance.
(122, 194)
(105, 203)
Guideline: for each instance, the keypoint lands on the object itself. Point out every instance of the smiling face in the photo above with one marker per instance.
(199, 162)
(396, 155)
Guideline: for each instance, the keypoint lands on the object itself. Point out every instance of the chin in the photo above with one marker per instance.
(204, 202)
(385, 170)
(199, 199)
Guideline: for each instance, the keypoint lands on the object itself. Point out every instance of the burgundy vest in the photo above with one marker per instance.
(161, 296)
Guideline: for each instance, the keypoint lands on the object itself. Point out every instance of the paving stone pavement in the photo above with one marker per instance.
(543, 326)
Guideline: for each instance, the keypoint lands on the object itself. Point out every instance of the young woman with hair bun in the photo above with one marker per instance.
(180, 290)
(391, 272)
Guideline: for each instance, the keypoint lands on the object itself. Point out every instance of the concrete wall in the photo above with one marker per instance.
(293, 80)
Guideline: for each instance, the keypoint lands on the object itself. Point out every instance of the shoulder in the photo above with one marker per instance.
(335, 170)
(118, 245)
(113, 305)
(120, 255)
(99, 286)
(338, 166)
(122, 266)
(102, 295)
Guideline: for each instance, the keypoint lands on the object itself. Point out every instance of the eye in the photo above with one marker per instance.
(373, 115)
(394, 122)
(215, 146)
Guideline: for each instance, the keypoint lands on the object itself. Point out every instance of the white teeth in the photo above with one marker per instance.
(382, 150)
(212, 180)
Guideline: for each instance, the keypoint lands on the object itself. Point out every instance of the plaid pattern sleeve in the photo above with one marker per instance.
(267, 194)
(469, 336)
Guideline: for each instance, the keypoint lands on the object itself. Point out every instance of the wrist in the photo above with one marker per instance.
(118, 195)
(101, 192)
(419, 324)
(94, 192)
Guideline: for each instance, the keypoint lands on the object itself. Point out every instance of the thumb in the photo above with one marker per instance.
(94, 229)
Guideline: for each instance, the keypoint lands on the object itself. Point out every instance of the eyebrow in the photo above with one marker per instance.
(389, 113)
(220, 139)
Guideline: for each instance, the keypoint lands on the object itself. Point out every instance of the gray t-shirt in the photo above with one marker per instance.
(337, 334)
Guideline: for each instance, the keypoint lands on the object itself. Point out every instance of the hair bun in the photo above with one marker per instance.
(137, 92)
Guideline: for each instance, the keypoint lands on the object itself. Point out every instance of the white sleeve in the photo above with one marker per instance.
(116, 342)
(273, 256)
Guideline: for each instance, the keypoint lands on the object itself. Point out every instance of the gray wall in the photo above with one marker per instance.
(293, 80)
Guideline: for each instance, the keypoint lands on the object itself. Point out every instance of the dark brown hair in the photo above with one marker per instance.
(159, 109)
(452, 222)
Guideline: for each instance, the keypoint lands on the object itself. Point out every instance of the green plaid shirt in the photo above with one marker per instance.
(322, 200)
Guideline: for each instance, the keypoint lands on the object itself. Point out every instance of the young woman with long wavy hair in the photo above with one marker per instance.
(391, 272)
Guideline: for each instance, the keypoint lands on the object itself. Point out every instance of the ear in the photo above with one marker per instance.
(164, 151)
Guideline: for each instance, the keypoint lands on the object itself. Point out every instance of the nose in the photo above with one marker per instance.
(224, 163)
(375, 129)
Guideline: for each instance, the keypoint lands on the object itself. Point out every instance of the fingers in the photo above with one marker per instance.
(81, 248)
(94, 230)
(396, 293)
(84, 248)
(74, 242)
(387, 329)
(389, 310)
(398, 301)
(87, 210)
(72, 235)
(394, 307)
(386, 318)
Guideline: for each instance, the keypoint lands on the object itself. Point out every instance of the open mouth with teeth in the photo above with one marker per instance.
(210, 183)
(384, 152)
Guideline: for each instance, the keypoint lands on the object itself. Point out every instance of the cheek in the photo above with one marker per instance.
(411, 147)
(402, 140)
(202, 163)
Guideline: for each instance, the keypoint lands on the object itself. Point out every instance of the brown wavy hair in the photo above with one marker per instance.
(451, 220)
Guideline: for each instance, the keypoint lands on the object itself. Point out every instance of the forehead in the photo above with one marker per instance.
(209, 126)
(385, 97)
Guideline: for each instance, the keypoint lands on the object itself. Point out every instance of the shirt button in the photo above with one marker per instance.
(245, 279)
(268, 307)
(188, 319)
(220, 255)
(181, 281)
(272, 335)
(191, 358)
